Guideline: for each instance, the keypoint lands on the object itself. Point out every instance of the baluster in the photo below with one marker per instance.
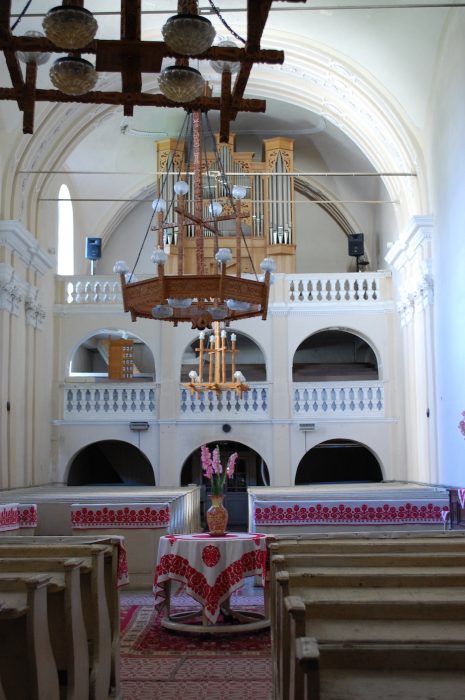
(311, 289)
(337, 287)
(328, 290)
(300, 287)
(319, 289)
(374, 290)
(291, 291)
(79, 290)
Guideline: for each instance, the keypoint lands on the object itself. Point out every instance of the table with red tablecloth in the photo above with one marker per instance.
(210, 568)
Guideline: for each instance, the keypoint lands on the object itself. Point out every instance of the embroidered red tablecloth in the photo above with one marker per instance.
(211, 568)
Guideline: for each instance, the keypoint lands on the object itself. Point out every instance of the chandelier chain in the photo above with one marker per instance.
(21, 15)
(223, 21)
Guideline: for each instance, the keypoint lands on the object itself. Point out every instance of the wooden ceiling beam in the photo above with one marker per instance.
(141, 99)
(131, 76)
(130, 57)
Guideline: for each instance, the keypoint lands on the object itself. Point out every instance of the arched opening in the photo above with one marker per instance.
(110, 462)
(65, 247)
(334, 355)
(105, 356)
(251, 470)
(335, 461)
(250, 359)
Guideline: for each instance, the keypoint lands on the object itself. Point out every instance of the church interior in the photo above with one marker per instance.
(241, 258)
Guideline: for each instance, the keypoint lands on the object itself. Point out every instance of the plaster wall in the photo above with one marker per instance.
(447, 167)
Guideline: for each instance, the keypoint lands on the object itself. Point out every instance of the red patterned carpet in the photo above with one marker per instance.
(160, 664)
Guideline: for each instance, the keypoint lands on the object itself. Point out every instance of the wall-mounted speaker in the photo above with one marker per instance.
(93, 248)
(356, 246)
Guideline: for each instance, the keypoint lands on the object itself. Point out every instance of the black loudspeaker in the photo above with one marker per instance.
(356, 247)
(93, 248)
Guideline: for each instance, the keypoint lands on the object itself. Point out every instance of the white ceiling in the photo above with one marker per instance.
(394, 49)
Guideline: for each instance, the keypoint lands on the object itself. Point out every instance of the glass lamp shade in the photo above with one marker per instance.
(181, 187)
(218, 313)
(181, 83)
(36, 57)
(179, 303)
(223, 255)
(120, 267)
(73, 76)
(238, 192)
(69, 26)
(159, 206)
(268, 265)
(161, 311)
(228, 66)
(159, 257)
(236, 305)
(188, 35)
(215, 208)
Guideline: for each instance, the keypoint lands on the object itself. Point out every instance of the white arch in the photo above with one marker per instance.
(313, 77)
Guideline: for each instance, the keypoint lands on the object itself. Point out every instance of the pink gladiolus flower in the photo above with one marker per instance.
(216, 464)
(206, 460)
(231, 464)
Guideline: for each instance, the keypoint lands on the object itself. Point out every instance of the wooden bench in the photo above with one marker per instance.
(365, 670)
(104, 657)
(27, 664)
(351, 588)
(71, 546)
(65, 616)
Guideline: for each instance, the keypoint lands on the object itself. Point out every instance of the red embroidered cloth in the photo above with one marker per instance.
(134, 515)
(211, 568)
(347, 513)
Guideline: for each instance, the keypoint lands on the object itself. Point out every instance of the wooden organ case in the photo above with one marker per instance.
(268, 217)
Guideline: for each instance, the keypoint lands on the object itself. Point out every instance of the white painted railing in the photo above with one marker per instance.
(294, 290)
(101, 401)
(253, 403)
(338, 399)
(338, 288)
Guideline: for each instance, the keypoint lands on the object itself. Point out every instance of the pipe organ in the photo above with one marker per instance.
(266, 218)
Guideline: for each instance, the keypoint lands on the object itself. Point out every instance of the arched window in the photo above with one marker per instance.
(65, 261)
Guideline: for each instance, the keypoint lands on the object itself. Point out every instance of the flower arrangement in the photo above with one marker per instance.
(213, 469)
(461, 425)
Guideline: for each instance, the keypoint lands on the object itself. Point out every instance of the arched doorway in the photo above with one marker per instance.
(251, 470)
(334, 355)
(98, 356)
(110, 462)
(338, 461)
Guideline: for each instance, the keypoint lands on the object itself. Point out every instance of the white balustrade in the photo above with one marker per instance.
(338, 288)
(361, 288)
(253, 403)
(102, 401)
(338, 400)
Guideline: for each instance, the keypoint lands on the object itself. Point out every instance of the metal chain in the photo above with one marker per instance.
(230, 29)
(21, 15)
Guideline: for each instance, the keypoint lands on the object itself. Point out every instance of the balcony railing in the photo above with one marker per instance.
(339, 288)
(254, 404)
(338, 400)
(102, 401)
(360, 288)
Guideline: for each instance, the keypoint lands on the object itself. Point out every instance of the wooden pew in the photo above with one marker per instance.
(361, 571)
(27, 664)
(70, 546)
(94, 605)
(366, 670)
(65, 616)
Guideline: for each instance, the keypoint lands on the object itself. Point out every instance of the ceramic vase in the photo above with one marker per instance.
(217, 516)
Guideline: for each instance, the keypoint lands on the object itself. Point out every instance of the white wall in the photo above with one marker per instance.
(447, 167)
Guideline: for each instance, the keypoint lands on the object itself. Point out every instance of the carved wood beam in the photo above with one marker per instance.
(131, 77)
(143, 99)
(29, 98)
